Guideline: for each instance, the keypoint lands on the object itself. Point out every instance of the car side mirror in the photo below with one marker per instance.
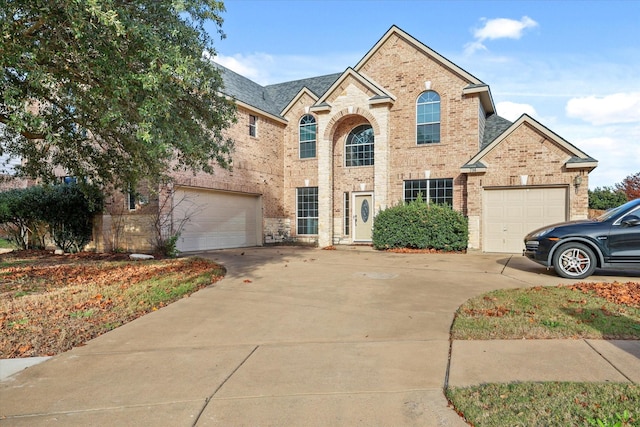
(631, 221)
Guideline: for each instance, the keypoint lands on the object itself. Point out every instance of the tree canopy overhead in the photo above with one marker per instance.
(112, 90)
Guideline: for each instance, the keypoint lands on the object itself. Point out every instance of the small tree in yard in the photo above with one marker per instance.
(21, 216)
(421, 226)
(69, 213)
(630, 186)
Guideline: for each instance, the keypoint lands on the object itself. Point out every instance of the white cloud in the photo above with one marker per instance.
(614, 146)
(615, 108)
(267, 69)
(616, 158)
(512, 110)
(254, 66)
(498, 28)
(502, 28)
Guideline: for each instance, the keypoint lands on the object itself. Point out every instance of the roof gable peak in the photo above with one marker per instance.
(395, 30)
(579, 159)
(378, 90)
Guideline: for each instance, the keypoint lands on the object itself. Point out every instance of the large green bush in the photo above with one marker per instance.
(420, 226)
(69, 214)
(65, 210)
(606, 198)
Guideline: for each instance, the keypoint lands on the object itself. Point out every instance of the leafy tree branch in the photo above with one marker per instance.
(114, 91)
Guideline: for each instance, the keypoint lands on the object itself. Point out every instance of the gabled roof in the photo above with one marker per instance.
(579, 159)
(283, 93)
(270, 99)
(275, 99)
(246, 91)
(475, 84)
(380, 94)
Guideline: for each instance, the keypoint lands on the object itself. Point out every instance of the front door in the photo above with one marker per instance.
(363, 217)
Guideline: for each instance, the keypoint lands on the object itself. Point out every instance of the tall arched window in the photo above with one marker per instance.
(307, 136)
(428, 118)
(358, 149)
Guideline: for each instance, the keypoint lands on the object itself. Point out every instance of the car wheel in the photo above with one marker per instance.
(574, 261)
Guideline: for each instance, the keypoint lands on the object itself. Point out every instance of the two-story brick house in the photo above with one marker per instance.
(317, 158)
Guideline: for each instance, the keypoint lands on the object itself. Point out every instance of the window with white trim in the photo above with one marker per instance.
(428, 118)
(430, 190)
(131, 200)
(307, 210)
(347, 214)
(358, 148)
(253, 125)
(307, 136)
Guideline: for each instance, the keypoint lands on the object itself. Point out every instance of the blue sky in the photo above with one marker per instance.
(573, 65)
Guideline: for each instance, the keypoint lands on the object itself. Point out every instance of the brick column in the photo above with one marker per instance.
(381, 156)
(325, 184)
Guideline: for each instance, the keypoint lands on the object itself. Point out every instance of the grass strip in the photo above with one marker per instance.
(548, 404)
(549, 313)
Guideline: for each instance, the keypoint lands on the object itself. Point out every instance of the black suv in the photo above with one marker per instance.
(576, 248)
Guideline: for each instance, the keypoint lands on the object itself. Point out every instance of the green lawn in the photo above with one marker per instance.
(586, 310)
(545, 313)
(548, 404)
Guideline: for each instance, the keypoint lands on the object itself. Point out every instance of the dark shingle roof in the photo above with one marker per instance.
(494, 127)
(247, 91)
(576, 159)
(283, 93)
(273, 98)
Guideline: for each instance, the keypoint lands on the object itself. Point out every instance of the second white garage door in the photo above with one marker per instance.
(509, 214)
(217, 220)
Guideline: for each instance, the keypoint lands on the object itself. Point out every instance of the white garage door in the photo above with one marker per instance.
(217, 220)
(510, 214)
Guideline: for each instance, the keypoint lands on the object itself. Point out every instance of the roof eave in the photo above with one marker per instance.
(582, 165)
(484, 94)
(381, 100)
(473, 168)
(320, 108)
(261, 112)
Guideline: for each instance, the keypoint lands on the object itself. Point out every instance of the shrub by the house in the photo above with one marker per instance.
(65, 211)
(419, 225)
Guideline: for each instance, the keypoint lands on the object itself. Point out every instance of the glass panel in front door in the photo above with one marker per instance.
(363, 217)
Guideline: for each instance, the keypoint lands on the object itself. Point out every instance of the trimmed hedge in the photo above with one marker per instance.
(419, 225)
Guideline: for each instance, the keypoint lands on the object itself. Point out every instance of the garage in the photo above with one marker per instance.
(509, 214)
(216, 219)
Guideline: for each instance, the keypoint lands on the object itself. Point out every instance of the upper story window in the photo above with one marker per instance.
(428, 118)
(307, 136)
(253, 125)
(358, 149)
(131, 199)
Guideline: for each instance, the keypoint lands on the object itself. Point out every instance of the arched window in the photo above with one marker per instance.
(358, 149)
(428, 118)
(307, 136)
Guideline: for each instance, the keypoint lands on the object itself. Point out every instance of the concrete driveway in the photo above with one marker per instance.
(292, 336)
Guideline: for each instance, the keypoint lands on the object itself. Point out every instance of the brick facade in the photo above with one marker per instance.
(381, 91)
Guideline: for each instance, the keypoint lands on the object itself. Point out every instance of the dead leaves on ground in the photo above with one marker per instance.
(49, 304)
(618, 293)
